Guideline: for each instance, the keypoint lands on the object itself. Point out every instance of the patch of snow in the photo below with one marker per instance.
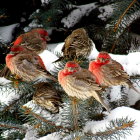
(7, 134)
(45, 1)
(7, 95)
(4, 81)
(117, 113)
(94, 53)
(133, 96)
(106, 12)
(76, 15)
(6, 32)
(53, 136)
(58, 49)
(115, 93)
(48, 59)
(31, 133)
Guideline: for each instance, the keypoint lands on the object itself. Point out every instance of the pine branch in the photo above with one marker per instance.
(29, 111)
(118, 127)
(116, 26)
(25, 90)
(12, 127)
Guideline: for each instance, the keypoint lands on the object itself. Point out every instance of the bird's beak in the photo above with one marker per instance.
(47, 38)
(103, 60)
(70, 69)
(11, 52)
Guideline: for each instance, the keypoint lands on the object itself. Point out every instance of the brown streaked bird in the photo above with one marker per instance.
(80, 83)
(26, 65)
(109, 72)
(47, 97)
(77, 45)
(34, 40)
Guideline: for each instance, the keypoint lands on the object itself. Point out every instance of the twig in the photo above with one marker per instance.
(28, 111)
(121, 17)
(14, 127)
(109, 132)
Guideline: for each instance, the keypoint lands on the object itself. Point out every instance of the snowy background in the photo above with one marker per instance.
(130, 62)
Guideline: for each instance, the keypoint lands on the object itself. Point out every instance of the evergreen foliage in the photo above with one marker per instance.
(118, 27)
(51, 14)
(113, 35)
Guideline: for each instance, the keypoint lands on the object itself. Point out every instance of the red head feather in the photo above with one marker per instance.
(17, 48)
(41, 31)
(71, 64)
(18, 40)
(104, 55)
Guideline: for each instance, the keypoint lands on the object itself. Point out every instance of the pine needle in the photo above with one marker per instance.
(124, 13)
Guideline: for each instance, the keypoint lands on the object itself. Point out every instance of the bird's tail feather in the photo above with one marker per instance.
(100, 100)
(5, 72)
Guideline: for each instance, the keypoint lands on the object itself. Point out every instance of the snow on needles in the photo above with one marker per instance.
(106, 12)
(120, 112)
(8, 93)
(76, 15)
(131, 64)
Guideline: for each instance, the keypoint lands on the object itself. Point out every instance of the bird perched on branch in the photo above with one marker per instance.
(109, 72)
(47, 97)
(34, 40)
(26, 65)
(80, 83)
(77, 45)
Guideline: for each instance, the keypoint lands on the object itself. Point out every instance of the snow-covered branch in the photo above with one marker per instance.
(76, 15)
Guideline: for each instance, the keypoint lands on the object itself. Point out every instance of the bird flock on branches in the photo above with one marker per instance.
(25, 64)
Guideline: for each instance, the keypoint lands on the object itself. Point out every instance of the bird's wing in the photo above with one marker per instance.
(68, 41)
(116, 64)
(27, 63)
(84, 79)
(112, 74)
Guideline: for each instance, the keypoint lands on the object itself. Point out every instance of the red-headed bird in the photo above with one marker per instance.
(80, 83)
(34, 40)
(26, 65)
(109, 72)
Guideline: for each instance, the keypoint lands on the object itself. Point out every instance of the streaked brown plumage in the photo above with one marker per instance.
(27, 66)
(47, 97)
(34, 40)
(80, 83)
(77, 45)
(104, 57)
(109, 72)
